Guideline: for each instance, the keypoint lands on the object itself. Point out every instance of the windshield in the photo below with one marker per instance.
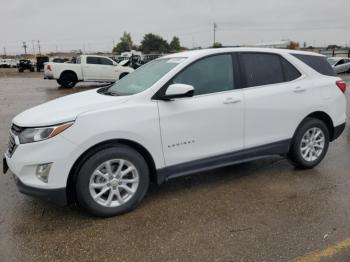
(332, 61)
(144, 77)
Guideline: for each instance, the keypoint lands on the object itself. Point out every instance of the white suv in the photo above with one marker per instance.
(176, 115)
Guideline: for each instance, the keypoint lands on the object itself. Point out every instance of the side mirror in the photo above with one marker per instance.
(178, 91)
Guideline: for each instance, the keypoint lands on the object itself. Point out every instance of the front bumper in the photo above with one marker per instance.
(25, 159)
(57, 196)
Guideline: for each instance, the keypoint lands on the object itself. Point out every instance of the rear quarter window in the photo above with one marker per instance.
(318, 63)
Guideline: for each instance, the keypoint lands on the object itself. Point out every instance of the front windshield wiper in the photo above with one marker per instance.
(106, 91)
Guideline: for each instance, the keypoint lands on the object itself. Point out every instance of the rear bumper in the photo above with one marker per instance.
(56, 196)
(338, 130)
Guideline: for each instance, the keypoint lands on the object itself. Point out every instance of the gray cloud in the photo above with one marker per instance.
(73, 24)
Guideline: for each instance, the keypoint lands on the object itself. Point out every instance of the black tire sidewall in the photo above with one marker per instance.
(295, 153)
(68, 80)
(82, 185)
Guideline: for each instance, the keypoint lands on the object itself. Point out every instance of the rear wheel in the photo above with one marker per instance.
(68, 80)
(310, 144)
(112, 182)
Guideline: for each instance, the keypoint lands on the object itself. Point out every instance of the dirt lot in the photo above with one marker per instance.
(260, 211)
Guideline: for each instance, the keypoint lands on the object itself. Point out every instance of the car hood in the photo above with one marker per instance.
(66, 108)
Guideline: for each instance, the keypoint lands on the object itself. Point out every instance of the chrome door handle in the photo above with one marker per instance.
(299, 89)
(232, 100)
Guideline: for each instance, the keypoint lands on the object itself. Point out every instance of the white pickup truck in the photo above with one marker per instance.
(87, 68)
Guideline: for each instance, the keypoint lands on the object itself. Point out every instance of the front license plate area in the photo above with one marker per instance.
(5, 167)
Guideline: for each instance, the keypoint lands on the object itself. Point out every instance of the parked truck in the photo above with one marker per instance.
(87, 68)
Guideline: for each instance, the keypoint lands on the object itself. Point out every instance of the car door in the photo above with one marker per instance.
(275, 94)
(109, 71)
(341, 66)
(211, 122)
(346, 65)
(92, 68)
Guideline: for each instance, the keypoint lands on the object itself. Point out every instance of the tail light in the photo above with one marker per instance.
(49, 67)
(342, 85)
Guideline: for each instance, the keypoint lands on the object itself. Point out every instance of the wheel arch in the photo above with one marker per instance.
(123, 74)
(68, 71)
(70, 186)
(325, 118)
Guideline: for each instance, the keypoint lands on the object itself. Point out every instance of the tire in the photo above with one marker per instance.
(88, 175)
(58, 82)
(307, 151)
(20, 70)
(122, 75)
(68, 80)
(32, 70)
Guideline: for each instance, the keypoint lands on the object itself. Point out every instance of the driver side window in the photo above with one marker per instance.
(208, 75)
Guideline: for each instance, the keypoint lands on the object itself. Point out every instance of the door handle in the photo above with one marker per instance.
(232, 100)
(299, 89)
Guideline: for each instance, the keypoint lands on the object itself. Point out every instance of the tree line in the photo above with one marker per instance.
(150, 43)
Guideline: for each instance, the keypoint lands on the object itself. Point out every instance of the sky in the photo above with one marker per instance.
(94, 25)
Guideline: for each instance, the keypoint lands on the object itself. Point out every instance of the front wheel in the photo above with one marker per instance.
(112, 181)
(310, 144)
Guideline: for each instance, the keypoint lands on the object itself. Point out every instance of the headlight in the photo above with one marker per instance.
(29, 135)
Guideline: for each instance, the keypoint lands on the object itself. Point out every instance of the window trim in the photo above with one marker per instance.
(237, 81)
(243, 72)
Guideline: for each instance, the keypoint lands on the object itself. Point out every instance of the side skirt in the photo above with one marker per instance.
(245, 155)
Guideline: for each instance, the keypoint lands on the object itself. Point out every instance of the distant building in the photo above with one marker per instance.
(279, 44)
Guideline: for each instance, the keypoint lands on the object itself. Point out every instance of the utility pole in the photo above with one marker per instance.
(39, 47)
(214, 29)
(5, 51)
(33, 47)
(24, 45)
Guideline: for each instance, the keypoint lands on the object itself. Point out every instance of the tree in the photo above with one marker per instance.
(154, 43)
(293, 45)
(217, 45)
(124, 45)
(175, 44)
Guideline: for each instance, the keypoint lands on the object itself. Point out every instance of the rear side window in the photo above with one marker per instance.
(93, 60)
(261, 69)
(290, 72)
(318, 63)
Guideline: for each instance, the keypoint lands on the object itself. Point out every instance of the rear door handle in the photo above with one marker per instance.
(232, 100)
(299, 89)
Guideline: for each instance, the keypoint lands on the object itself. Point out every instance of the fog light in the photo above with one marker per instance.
(42, 172)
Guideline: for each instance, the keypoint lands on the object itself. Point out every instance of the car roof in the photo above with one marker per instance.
(338, 58)
(210, 51)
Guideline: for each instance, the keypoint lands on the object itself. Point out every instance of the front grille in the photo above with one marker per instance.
(11, 146)
(16, 130)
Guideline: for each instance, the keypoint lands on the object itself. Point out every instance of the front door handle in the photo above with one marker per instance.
(299, 89)
(232, 100)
